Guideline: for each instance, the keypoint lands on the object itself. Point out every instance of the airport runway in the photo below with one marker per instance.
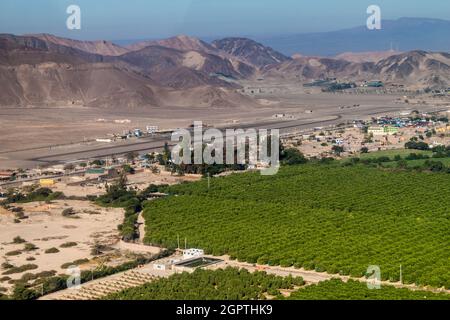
(151, 144)
(61, 154)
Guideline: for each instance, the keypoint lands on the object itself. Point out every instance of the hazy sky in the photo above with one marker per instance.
(138, 19)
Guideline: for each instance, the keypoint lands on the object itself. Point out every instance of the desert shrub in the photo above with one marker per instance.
(97, 249)
(13, 253)
(20, 269)
(68, 244)
(28, 277)
(52, 250)
(18, 240)
(68, 212)
(74, 263)
(6, 265)
(46, 274)
(30, 247)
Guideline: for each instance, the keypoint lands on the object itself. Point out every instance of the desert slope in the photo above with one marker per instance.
(105, 48)
(250, 51)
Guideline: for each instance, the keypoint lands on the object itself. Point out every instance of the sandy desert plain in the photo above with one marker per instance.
(43, 136)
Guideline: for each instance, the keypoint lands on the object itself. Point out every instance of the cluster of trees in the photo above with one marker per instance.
(288, 156)
(34, 194)
(292, 156)
(336, 289)
(325, 218)
(441, 151)
(417, 145)
(410, 162)
(222, 284)
(118, 195)
(165, 159)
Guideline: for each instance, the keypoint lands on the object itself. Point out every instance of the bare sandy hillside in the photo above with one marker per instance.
(374, 56)
(105, 48)
(180, 42)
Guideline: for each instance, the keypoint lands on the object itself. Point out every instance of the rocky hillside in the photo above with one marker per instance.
(250, 51)
(105, 48)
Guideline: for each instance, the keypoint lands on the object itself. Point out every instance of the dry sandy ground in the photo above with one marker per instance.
(142, 180)
(80, 191)
(22, 130)
(47, 228)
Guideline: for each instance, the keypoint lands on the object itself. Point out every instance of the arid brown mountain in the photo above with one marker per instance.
(40, 72)
(36, 71)
(181, 42)
(310, 68)
(189, 44)
(415, 68)
(182, 69)
(250, 51)
(104, 48)
(374, 56)
(17, 50)
(61, 84)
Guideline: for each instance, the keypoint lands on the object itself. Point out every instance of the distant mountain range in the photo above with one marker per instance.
(43, 69)
(417, 69)
(404, 34)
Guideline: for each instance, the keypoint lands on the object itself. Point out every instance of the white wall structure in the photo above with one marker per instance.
(192, 253)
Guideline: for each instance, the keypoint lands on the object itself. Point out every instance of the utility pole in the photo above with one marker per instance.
(178, 241)
(185, 243)
(209, 183)
(401, 275)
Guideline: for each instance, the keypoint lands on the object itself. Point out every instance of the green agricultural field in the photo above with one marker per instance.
(336, 289)
(324, 218)
(227, 284)
(234, 284)
(392, 153)
(420, 162)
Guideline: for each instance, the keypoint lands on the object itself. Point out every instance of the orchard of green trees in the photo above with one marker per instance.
(222, 284)
(235, 284)
(329, 218)
(336, 289)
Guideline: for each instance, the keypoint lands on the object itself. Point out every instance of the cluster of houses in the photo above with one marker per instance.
(375, 134)
(391, 125)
